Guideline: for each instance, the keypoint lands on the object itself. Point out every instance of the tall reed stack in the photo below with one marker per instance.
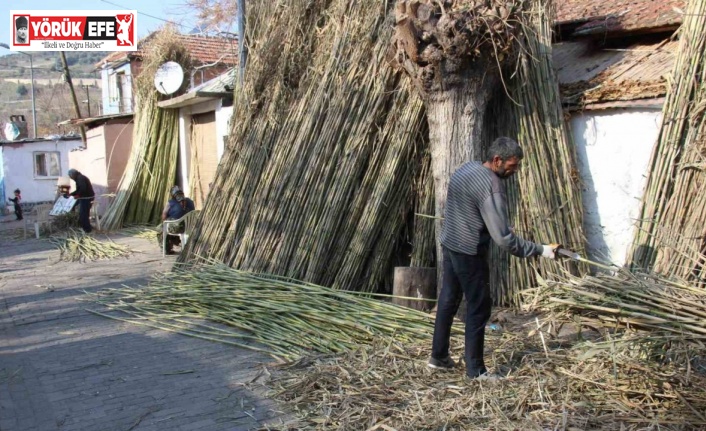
(545, 197)
(316, 181)
(327, 148)
(671, 229)
(151, 169)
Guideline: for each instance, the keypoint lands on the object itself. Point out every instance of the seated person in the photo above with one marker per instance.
(176, 208)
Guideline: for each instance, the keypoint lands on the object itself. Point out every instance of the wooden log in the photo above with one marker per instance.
(415, 283)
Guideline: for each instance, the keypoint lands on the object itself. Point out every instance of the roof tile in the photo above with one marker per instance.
(600, 16)
(203, 49)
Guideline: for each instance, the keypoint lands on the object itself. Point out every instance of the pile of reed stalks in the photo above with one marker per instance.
(316, 181)
(626, 299)
(545, 203)
(671, 229)
(76, 246)
(285, 318)
(627, 382)
(151, 169)
(141, 231)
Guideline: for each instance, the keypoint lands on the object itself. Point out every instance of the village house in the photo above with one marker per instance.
(204, 116)
(212, 56)
(34, 166)
(612, 59)
(109, 136)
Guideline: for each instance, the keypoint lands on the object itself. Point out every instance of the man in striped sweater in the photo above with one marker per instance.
(476, 212)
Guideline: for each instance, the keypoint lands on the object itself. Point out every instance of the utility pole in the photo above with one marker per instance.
(88, 100)
(67, 74)
(242, 50)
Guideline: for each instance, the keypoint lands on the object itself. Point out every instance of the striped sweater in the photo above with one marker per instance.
(476, 211)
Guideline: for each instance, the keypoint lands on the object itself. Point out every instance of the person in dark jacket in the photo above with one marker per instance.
(475, 214)
(84, 195)
(16, 204)
(177, 207)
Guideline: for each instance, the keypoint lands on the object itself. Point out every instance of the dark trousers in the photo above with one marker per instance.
(84, 214)
(464, 275)
(18, 212)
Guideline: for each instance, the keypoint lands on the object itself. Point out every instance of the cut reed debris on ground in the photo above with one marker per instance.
(76, 246)
(614, 385)
(286, 318)
(374, 370)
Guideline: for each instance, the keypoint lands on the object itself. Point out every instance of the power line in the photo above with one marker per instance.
(146, 14)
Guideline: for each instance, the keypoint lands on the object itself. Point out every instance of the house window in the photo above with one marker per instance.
(47, 164)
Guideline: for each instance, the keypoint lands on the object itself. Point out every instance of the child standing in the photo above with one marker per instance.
(16, 202)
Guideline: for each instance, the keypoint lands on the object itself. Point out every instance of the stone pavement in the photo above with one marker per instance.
(63, 368)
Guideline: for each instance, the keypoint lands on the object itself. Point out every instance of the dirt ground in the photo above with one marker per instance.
(63, 368)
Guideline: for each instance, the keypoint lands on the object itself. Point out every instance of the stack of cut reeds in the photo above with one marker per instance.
(671, 229)
(151, 169)
(629, 300)
(141, 231)
(283, 317)
(76, 246)
(316, 181)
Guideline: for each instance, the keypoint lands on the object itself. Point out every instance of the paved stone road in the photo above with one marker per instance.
(63, 368)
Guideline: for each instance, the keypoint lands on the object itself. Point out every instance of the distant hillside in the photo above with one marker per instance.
(48, 64)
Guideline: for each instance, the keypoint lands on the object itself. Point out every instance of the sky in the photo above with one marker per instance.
(151, 14)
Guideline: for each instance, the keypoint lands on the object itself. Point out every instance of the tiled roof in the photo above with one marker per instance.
(600, 16)
(203, 49)
(589, 75)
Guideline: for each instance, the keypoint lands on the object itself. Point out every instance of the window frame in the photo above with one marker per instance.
(47, 165)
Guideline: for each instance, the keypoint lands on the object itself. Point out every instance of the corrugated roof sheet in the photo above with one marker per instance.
(589, 75)
(600, 16)
(223, 83)
(203, 49)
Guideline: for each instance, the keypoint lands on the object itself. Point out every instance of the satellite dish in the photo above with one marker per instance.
(169, 77)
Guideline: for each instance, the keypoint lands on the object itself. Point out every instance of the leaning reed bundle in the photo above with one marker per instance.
(423, 237)
(670, 230)
(151, 169)
(626, 383)
(285, 318)
(316, 179)
(545, 197)
(75, 246)
(629, 300)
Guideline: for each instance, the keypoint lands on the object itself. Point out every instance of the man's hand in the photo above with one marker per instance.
(549, 250)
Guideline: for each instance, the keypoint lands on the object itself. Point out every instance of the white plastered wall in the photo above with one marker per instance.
(18, 167)
(613, 148)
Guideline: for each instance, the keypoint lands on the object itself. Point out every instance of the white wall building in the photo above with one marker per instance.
(615, 96)
(204, 118)
(34, 167)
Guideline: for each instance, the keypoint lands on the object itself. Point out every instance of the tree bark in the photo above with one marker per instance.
(414, 283)
(456, 118)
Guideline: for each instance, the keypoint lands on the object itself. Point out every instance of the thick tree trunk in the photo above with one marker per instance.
(417, 283)
(456, 118)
